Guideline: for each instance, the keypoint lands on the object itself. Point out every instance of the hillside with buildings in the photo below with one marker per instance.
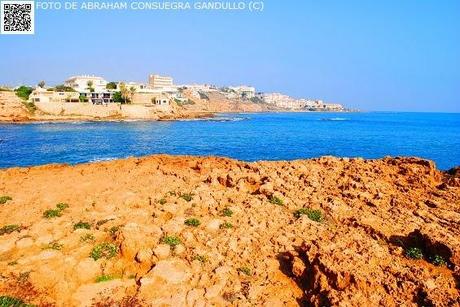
(93, 97)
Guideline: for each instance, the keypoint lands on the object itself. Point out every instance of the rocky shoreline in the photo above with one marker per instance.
(15, 111)
(196, 231)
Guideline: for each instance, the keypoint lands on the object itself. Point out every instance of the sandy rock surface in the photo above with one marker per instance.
(190, 231)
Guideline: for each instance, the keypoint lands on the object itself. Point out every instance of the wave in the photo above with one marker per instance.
(215, 119)
(228, 119)
(334, 119)
(103, 159)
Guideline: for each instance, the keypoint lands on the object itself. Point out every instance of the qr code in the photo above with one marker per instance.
(17, 17)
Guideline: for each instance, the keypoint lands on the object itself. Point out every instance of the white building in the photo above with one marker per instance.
(157, 81)
(44, 95)
(84, 84)
(277, 99)
(244, 91)
(91, 88)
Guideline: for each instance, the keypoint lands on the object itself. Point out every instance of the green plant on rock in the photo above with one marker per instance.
(201, 258)
(50, 213)
(54, 245)
(187, 197)
(192, 222)
(227, 212)
(276, 201)
(104, 278)
(5, 199)
(24, 92)
(82, 225)
(414, 253)
(245, 270)
(9, 301)
(438, 260)
(87, 237)
(62, 206)
(226, 225)
(162, 201)
(104, 250)
(7, 229)
(171, 240)
(313, 214)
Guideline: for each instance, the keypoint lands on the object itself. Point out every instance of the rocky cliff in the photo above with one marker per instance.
(178, 231)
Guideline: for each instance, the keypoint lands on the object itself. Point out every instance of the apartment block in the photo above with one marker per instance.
(157, 81)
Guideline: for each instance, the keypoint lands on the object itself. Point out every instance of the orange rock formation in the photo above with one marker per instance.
(370, 233)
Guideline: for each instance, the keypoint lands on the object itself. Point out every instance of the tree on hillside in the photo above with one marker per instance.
(90, 86)
(132, 91)
(41, 84)
(111, 86)
(24, 92)
(117, 97)
(125, 93)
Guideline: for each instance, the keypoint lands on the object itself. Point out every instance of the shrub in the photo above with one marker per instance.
(276, 201)
(62, 206)
(227, 212)
(82, 98)
(50, 213)
(192, 222)
(104, 278)
(245, 270)
(87, 237)
(438, 260)
(117, 97)
(30, 106)
(104, 250)
(171, 240)
(201, 258)
(162, 201)
(82, 225)
(226, 225)
(54, 245)
(5, 199)
(414, 253)
(9, 229)
(187, 197)
(9, 301)
(313, 214)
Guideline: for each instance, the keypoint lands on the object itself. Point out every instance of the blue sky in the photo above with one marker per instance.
(372, 55)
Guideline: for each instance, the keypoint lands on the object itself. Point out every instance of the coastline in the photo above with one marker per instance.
(250, 242)
(13, 110)
(103, 119)
(169, 117)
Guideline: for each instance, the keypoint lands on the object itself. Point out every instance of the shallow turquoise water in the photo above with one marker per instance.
(250, 137)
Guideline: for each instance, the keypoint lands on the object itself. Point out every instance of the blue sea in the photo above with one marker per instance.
(249, 137)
